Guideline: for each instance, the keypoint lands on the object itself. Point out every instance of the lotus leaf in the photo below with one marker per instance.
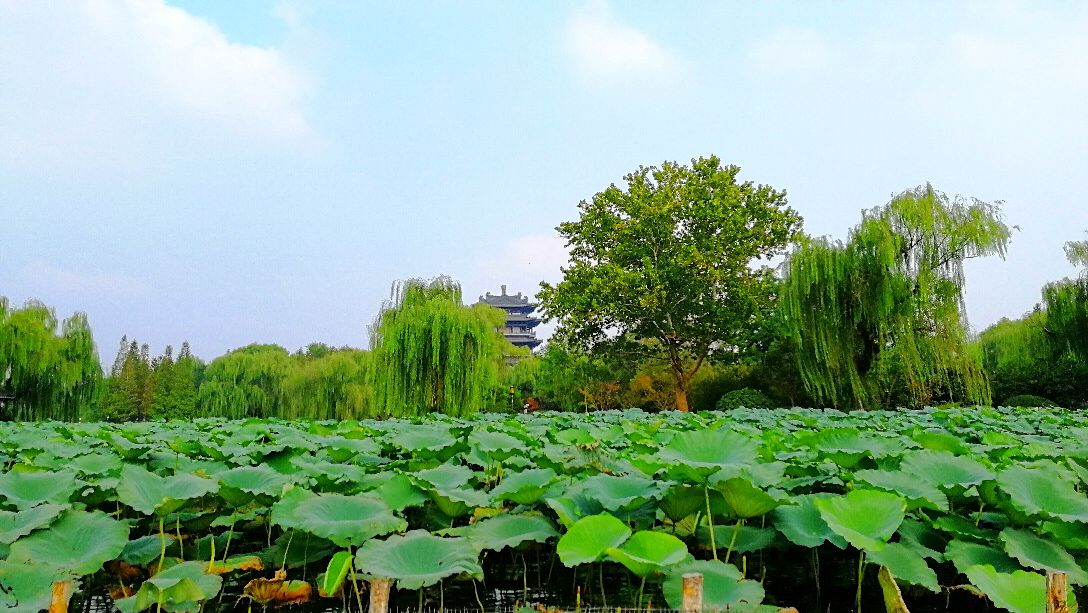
(524, 487)
(27, 588)
(24, 489)
(922, 539)
(399, 492)
(572, 508)
(621, 492)
(239, 485)
(344, 520)
(332, 580)
(1019, 591)
(745, 499)
(724, 587)
(1035, 552)
(965, 554)
(647, 552)
(278, 591)
(1043, 490)
(235, 563)
(22, 523)
(79, 542)
(506, 530)
(182, 588)
(588, 539)
(865, 518)
(918, 493)
(743, 538)
(906, 565)
(802, 523)
(944, 469)
(145, 549)
(151, 494)
(417, 559)
(704, 452)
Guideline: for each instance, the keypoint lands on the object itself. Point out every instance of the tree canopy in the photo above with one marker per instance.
(879, 320)
(432, 353)
(671, 257)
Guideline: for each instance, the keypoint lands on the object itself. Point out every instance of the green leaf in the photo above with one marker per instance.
(524, 487)
(648, 552)
(588, 539)
(344, 520)
(145, 549)
(417, 559)
(399, 493)
(865, 518)
(335, 573)
(704, 452)
(906, 565)
(803, 525)
(79, 542)
(239, 485)
(745, 499)
(621, 492)
(945, 469)
(506, 530)
(1019, 591)
(27, 588)
(1044, 490)
(918, 493)
(25, 489)
(1035, 552)
(182, 588)
(724, 587)
(965, 554)
(22, 523)
(747, 538)
(151, 494)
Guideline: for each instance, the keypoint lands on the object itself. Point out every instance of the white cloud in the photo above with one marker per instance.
(112, 82)
(603, 48)
(792, 50)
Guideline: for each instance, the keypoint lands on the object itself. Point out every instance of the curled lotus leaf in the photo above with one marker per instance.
(79, 542)
(14, 525)
(1035, 552)
(1018, 591)
(151, 494)
(589, 538)
(704, 452)
(278, 591)
(506, 530)
(803, 525)
(27, 488)
(906, 565)
(524, 487)
(918, 493)
(241, 484)
(418, 559)
(1044, 490)
(865, 518)
(235, 564)
(182, 588)
(965, 554)
(747, 500)
(331, 582)
(944, 469)
(621, 492)
(646, 552)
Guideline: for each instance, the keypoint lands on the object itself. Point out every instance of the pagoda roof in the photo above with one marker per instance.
(505, 300)
(521, 318)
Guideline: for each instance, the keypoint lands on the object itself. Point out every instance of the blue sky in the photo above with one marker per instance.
(263, 170)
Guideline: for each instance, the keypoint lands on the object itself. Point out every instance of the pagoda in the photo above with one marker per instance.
(519, 317)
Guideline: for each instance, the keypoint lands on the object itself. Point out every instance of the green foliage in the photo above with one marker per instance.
(878, 320)
(332, 385)
(746, 397)
(1027, 400)
(433, 354)
(246, 382)
(671, 257)
(52, 372)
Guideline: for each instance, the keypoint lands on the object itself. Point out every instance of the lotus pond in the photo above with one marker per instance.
(962, 509)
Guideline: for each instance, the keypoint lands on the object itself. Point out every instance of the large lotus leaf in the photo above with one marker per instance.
(1035, 552)
(918, 493)
(399, 492)
(1072, 536)
(1019, 591)
(452, 482)
(21, 523)
(418, 559)
(906, 565)
(724, 587)
(681, 501)
(506, 530)
(344, 520)
(960, 527)
(239, 485)
(847, 446)
(865, 518)
(922, 539)
(803, 525)
(97, 464)
(418, 438)
(588, 539)
(495, 443)
(145, 549)
(79, 542)
(941, 441)
(182, 588)
(331, 581)
(27, 588)
(743, 538)
(965, 554)
(24, 489)
(1043, 490)
(569, 509)
(648, 552)
(944, 469)
(703, 452)
(524, 487)
(621, 492)
(747, 500)
(150, 494)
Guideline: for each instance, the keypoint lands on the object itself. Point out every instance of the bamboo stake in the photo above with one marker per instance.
(62, 593)
(379, 595)
(692, 593)
(1056, 588)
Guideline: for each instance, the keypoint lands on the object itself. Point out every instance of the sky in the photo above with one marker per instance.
(263, 170)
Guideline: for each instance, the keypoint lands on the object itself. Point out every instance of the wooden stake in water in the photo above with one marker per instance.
(692, 593)
(62, 593)
(379, 595)
(1056, 588)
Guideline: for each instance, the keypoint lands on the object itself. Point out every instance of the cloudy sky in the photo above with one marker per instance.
(263, 170)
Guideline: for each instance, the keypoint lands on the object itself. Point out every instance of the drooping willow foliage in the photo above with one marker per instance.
(878, 320)
(430, 353)
(333, 386)
(52, 374)
(246, 382)
(1066, 304)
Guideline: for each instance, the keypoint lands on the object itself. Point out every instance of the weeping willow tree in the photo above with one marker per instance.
(246, 382)
(430, 353)
(51, 373)
(1066, 304)
(333, 386)
(878, 320)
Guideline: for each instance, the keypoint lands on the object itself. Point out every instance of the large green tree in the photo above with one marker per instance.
(672, 257)
(246, 382)
(879, 319)
(51, 368)
(431, 353)
(1066, 304)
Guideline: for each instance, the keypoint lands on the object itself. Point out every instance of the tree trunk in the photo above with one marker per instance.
(681, 399)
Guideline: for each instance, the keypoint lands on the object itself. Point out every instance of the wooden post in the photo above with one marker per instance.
(62, 593)
(692, 593)
(1056, 588)
(379, 595)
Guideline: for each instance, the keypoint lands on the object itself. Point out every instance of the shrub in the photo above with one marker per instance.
(745, 397)
(1028, 400)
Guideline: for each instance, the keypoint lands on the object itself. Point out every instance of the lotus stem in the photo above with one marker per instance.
(524, 579)
(861, 575)
(477, 594)
(733, 539)
(441, 596)
(177, 528)
(600, 578)
(641, 586)
(354, 579)
(230, 535)
(710, 522)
